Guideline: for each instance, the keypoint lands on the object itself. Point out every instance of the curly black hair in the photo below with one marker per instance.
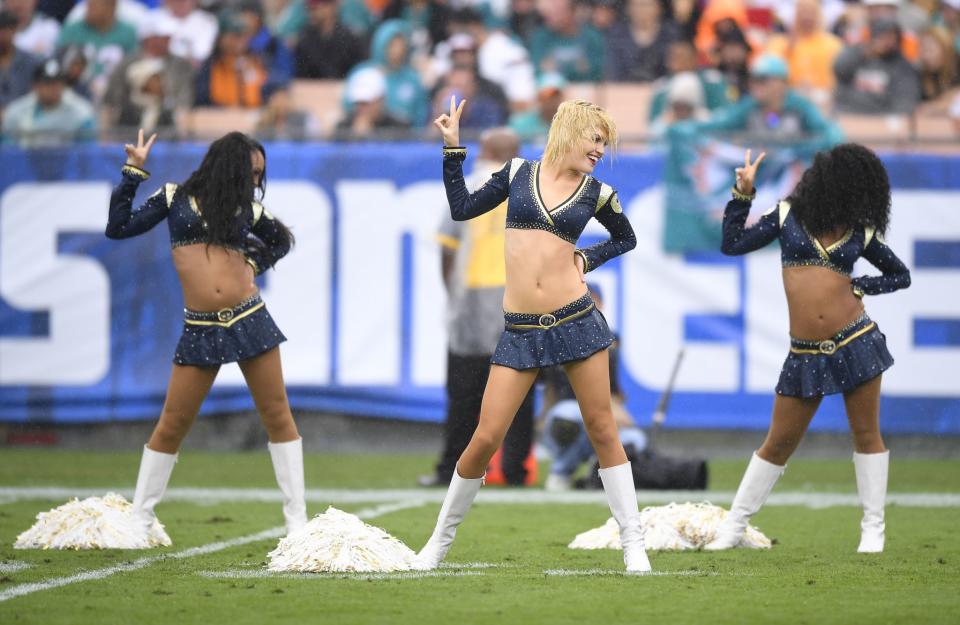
(225, 188)
(845, 187)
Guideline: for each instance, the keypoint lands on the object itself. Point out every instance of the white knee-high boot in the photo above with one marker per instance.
(455, 506)
(155, 470)
(755, 487)
(872, 470)
(288, 468)
(622, 497)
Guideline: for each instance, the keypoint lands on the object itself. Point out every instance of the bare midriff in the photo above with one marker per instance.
(820, 300)
(213, 277)
(541, 274)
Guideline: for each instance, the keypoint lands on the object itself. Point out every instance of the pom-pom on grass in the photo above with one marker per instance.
(674, 527)
(94, 523)
(339, 542)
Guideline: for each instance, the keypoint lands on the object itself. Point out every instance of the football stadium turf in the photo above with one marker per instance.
(509, 564)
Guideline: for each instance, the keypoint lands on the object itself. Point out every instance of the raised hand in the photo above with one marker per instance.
(748, 173)
(137, 154)
(449, 124)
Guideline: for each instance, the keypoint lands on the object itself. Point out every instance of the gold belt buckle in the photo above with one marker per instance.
(547, 321)
(828, 347)
(225, 315)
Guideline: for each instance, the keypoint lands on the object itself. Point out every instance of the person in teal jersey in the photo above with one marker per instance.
(105, 39)
(565, 45)
(534, 124)
(682, 57)
(406, 98)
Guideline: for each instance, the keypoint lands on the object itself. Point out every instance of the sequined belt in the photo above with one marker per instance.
(851, 331)
(533, 321)
(225, 317)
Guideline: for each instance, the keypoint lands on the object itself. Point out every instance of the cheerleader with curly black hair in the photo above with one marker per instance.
(838, 212)
(221, 238)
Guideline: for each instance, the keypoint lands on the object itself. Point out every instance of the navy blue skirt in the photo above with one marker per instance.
(532, 341)
(856, 355)
(228, 335)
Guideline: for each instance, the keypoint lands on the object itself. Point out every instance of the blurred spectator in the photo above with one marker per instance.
(637, 48)
(733, 58)
(233, 76)
(76, 70)
(774, 113)
(604, 14)
(426, 22)
(938, 63)
(16, 66)
(50, 114)
(524, 19)
(682, 57)
(133, 98)
(355, 15)
(486, 105)
(56, 9)
(685, 14)
(405, 97)
(564, 45)
(718, 17)
(886, 11)
(130, 11)
(274, 53)
(369, 118)
(685, 100)
(949, 18)
(500, 58)
(326, 48)
(534, 124)
(36, 33)
(875, 78)
(196, 30)
(809, 49)
(105, 41)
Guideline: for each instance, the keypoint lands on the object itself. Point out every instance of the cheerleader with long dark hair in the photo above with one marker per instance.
(221, 238)
(838, 212)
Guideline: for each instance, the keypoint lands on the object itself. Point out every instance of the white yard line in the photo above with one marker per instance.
(264, 574)
(12, 566)
(487, 495)
(86, 576)
(622, 573)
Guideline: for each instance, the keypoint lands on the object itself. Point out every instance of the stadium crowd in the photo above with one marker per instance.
(360, 69)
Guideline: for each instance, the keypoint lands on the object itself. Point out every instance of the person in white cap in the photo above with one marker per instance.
(368, 117)
(176, 73)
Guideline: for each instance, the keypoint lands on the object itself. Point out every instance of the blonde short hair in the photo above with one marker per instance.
(576, 120)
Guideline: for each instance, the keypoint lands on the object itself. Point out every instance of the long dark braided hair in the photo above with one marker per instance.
(224, 188)
(846, 187)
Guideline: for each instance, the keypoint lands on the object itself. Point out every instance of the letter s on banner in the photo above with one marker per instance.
(74, 290)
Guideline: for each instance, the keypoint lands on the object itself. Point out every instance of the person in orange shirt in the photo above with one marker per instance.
(808, 49)
(233, 75)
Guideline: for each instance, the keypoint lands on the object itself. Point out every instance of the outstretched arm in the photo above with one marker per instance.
(123, 221)
(463, 204)
(736, 238)
(622, 239)
(895, 276)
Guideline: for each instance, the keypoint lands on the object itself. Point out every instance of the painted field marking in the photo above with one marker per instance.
(86, 576)
(622, 573)
(489, 495)
(12, 566)
(264, 574)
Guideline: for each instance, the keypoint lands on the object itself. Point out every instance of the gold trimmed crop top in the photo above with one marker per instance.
(186, 224)
(518, 183)
(799, 248)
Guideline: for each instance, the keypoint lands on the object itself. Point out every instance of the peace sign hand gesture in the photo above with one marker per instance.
(747, 173)
(137, 154)
(449, 124)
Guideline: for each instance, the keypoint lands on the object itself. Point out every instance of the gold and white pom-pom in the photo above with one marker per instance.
(339, 542)
(94, 523)
(674, 527)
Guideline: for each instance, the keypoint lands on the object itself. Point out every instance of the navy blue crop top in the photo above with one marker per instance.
(185, 221)
(799, 248)
(518, 183)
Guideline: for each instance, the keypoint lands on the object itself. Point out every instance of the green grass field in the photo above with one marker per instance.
(521, 570)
